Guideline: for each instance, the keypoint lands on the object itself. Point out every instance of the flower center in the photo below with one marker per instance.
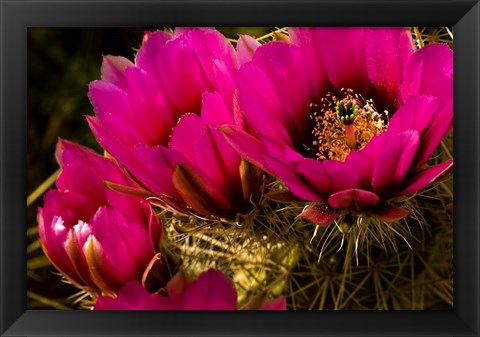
(345, 124)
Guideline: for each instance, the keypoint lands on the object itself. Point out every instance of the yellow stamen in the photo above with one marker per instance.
(336, 135)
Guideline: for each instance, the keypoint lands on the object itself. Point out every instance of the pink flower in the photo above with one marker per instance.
(347, 118)
(157, 116)
(211, 291)
(99, 239)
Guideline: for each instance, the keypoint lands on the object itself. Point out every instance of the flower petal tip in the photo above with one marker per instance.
(321, 215)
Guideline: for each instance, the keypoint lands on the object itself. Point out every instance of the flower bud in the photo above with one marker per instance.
(98, 238)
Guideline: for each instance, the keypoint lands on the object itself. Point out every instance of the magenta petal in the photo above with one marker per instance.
(108, 99)
(45, 223)
(183, 85)
(118, 127)
(123, 239)
(52, 243)
(146, 57)
(113, 70)
(80, 188)
(211, 291)
(67, 153)
(84, 174)
(285, 153)
(238, 114)
(426, 177)
(283, 63)
(81, 192)
(266, 159)
(220, 162)
(153, 115)
(390, 213)
(77, 237)
(154, 168)
(353, 199)
(306, 39)
(224, 80)
(327, 177)
(247, 146)
(266, 125)
(83, 181)
(283, 161)
(387, 51)
(363, 161)
(104, 275)
(395, 161)
(321, 215)
(295, 182)
(214, 110)
(109, 142)
(209, 45)
(132, 296)
(184, 134)
(111, 248)
(155, 226)
(277, 80)
(275, 304)
(260, 101)
(344, 60)
(82, 231)
(442, 124)
(246, 47)
(417, 113)
(128, 205)
(200, 192)
(176, 286)
(429, 72)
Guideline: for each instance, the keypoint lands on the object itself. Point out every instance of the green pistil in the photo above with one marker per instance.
(346, 111)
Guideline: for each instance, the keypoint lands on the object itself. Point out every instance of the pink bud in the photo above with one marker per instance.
(98, 238)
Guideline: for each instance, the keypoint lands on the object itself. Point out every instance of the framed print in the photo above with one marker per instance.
(289, 160)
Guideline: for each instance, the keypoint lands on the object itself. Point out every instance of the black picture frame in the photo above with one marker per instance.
(17, 15)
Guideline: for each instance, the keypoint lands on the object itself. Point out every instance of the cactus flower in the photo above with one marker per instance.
(99, 239)
(347, 118)
(157, 115)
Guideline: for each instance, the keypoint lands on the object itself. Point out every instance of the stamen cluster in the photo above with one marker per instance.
(329, 121)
